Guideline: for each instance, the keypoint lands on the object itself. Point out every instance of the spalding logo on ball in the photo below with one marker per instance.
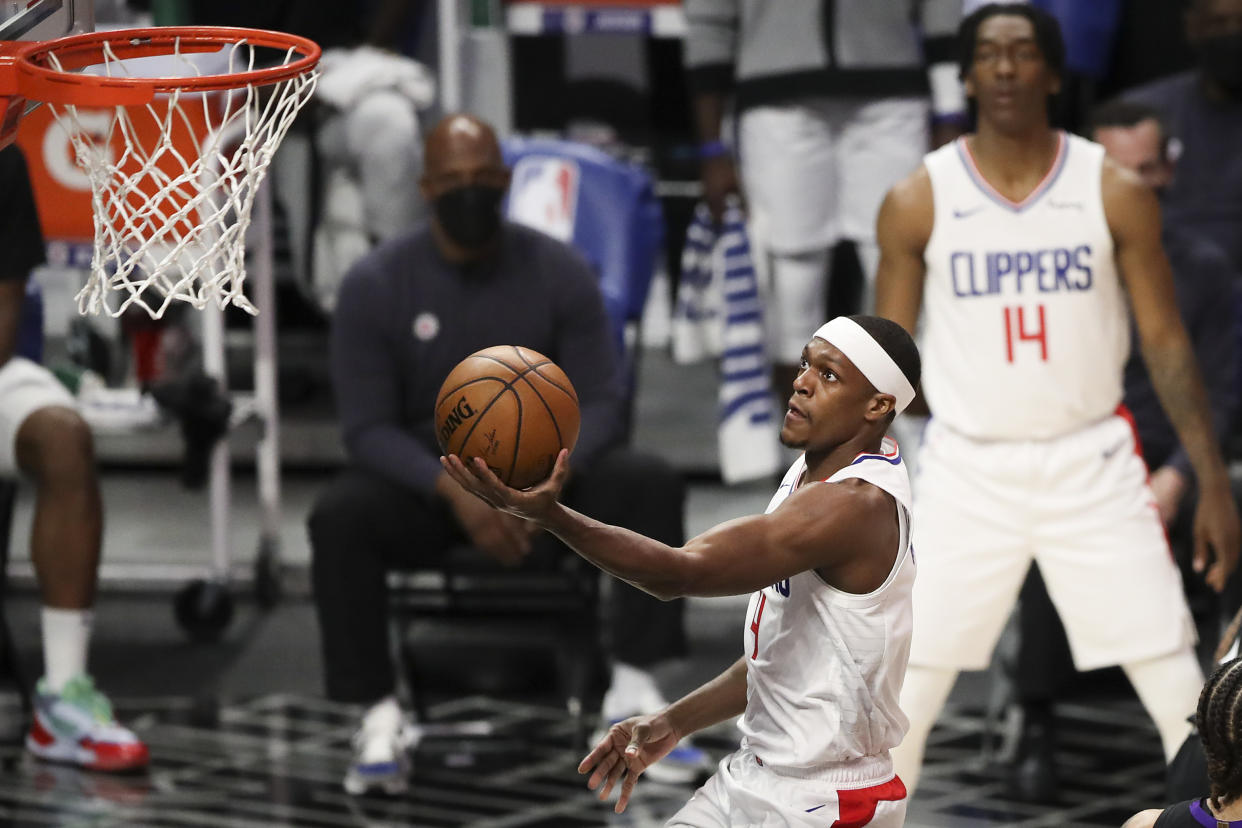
(511, 406)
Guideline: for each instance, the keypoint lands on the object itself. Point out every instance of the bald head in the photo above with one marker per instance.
(462, 151)
(464, 178)
(461, 139)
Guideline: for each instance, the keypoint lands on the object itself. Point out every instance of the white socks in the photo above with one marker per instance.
(66, 638)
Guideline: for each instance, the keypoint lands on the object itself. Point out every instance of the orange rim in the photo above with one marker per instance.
(36, 79)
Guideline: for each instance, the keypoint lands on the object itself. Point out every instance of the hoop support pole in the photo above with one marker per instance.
(219, 488)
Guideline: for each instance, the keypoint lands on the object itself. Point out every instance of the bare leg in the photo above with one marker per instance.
(54, 447)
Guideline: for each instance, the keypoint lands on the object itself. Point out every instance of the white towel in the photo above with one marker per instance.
(348, 75)
(698, 317)
(720, 313)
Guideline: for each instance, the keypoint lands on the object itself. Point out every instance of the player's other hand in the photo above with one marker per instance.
(1217, 534)
(628, 749)
(720, 181)
(532, 504)
(1169, 486)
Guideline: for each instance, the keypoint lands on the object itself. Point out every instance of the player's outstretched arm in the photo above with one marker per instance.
(819, 526)
(1134, 218)
(633, 745)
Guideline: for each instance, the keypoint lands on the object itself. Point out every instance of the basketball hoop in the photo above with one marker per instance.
(175, 165)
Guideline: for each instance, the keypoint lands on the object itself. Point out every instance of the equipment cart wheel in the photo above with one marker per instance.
(203, 609)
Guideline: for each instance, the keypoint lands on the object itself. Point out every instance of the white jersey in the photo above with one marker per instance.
(1026, 330)
(824, 667)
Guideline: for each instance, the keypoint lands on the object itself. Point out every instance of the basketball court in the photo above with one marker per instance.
(239, 731)
(241, 734)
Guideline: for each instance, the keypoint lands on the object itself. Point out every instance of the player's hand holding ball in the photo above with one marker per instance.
(532, 504)
(506, 418)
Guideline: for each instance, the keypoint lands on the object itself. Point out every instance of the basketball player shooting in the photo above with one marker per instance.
(827, 632)
(1023, 244)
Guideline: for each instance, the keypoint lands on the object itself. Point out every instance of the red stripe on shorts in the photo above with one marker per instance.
(858, 805)
(1124, 413)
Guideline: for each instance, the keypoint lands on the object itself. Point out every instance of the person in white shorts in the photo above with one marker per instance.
(834, 102)
(826, 636)
(43, 438)
(1024, 245)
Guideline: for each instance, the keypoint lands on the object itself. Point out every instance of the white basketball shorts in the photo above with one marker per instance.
(25, 387)
(816, 171)
(1079, 506)
(743, 793)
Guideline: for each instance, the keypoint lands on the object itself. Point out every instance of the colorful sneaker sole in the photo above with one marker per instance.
(390, 777)
(111, 758)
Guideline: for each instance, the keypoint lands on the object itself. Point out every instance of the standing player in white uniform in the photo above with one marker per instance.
(1023, 244)
(828, 631)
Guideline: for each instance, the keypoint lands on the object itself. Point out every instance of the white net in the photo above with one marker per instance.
(173, 184)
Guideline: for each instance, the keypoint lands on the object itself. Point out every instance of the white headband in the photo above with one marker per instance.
(869, 357)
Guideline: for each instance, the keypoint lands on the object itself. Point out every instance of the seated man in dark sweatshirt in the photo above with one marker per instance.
(407, 313)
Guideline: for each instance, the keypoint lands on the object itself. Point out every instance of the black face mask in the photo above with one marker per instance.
(1221, 59)
(470, 215)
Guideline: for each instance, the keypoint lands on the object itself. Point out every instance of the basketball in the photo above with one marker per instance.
(511, 406)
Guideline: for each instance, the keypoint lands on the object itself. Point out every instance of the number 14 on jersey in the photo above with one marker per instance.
(1017, 332)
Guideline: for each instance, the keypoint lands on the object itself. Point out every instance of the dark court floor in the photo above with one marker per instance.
(241, 735)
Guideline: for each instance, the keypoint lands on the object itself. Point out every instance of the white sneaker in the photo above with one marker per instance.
(380, 758)
(76, 727)
(632, 691)
(686, 764)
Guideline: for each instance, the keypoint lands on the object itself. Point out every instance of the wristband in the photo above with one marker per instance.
(712, 149)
